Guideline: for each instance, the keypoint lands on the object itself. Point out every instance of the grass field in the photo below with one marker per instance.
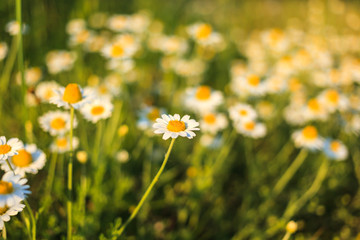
(217, 119)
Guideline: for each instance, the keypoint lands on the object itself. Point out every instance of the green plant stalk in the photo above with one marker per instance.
(33, 220)
(148, 190)
(286, 236)
(70, 173)
(314, 188)
(5, 77)
(285, 178)
(97, 143)
(50, 177)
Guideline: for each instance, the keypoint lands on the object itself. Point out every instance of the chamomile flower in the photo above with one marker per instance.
(75, 26)
(335, 149)
(203, 34)
(45, 90)
(7, 211)
(3, 50)
(203, 99)
(213, 122)
(58, 61)
(13, 28)
(174, 126)
(118, 23)
(333, 100)
(71, 96)
(250, 84)
(9, 148)
(12, 189)
(308, 137)
(250, 128)
(29, 160)
(148, 116)
(314, 110)
(242, 112)
(56, 122)
(97, 110)
(124, 46)
(32, 76)
(61, 144)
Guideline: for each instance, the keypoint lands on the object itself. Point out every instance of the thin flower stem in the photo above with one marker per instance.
(51, 175)
(70, 173)
(33, 220)
(148, 190)
(285, 178)
(3, 233)
(286, 236)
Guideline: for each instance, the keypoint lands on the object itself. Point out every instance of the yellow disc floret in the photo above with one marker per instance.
(97, 110)
(204, 31)
(117, 51)
(72, 93)
(57, 123)
(210, 118)
(6, 187)
(153, 114)
(249, 126)
(253, 80)
(4, 149)
(203, 93)
(334, 146)
(176, 126)
(310, 132)
(23, 159)
(61, 142)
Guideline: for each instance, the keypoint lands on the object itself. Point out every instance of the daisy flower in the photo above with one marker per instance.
(213, 122)
(203, 34)
(75, 26)
(241, 112)
(314, 110)
(117, 23)
(58, 61)
(249, 85)
(335, 149)
(148, 116)
(45, 90)
(71, 96)
(250, 128)
(12, 189)
(3, 50)
(173, 126)
(29, 160)
(7, 211)
(56, 122)
(97, 110)
(333, 100)
(32, 76)
(61, 144)
(202, 99)
(9, 148)
(308, 137)
(13, 28)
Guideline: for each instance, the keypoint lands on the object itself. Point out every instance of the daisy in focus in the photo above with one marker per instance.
(9, 148)
(29, 160)
(97, 110)
(12, 189)
(335, 149)
(308, 137)
(71, 96)
(203, 99)
(174, 126)
(7, 211)
(56, 122)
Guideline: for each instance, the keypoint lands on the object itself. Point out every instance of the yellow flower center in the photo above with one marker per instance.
(97, 110)
(61, 142)
(204, 31)
(57, 123)
(243, 112)
(117, 51)
(3, 209)
(313, 104)
(210, 118)
(310, 132)
(23, 159)
(249, 126)
(275, 35)
(48, 94)
(294, 84)
(253, 80)
(4, 149)
(72, 93)
(6, 187)
(334, 146)
(203, 93)
(332, 96)
(154, 114)
(176, 126)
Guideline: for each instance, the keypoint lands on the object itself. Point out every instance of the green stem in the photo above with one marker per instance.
(148, 190)
(285, 178)
(51, 175)
(70, 173)
(314, 188)
(287, 236)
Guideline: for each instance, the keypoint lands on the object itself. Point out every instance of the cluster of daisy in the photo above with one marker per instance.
(16, 160)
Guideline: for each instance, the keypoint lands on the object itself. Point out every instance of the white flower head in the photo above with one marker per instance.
(7, 211)
(174, 126)
(250, 128)
(73, 95)
(9, 148)
(61, 144)
(213, 122)
(308, 137)
(335, 149)
(29, 160)
(203, 99)
(98, 109)
(45, 90)
(56, 122)
(12, 189)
